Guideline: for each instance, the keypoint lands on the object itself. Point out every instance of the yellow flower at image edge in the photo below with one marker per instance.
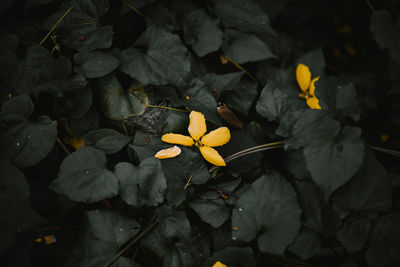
(205, 142)
(219, 264)
(307, 86)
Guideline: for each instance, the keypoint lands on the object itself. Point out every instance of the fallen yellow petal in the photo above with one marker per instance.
(312, 102)
(218, 137)
(168, 153)
(212, 156)
(197, 126)
(312, 86)
(219, 264)
(303, 77)
(179, 139)
(50, 239)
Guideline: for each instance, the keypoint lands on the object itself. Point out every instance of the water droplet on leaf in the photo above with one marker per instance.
(240, 209)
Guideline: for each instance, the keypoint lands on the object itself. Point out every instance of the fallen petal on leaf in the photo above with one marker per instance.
(171, 152)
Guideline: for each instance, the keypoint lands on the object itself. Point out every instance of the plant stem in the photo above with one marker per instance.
(63, 146)
(153, 223)
(241, 68)
(250, 150)
(133, 8)
(174, 109)
(385, 150)
(55, 25)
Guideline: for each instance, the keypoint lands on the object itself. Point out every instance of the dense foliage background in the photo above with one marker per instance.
(89, 86)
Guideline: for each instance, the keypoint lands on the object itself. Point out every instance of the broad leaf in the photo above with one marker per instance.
(111, 227)
(306, 244)
(221, 82)
(202, 32)
(213, 212)
(26, 142)
(243, 15)
(144, 185)
(165, 60)
(354, 233)
(242, 96)
(243, 48)
(369, 192)
(108, 140)
(315, 60)
(80, 28)
(95, 64)
(384, 248)
(120, 104)
(84, 177)
(272, 102)
(269, 204)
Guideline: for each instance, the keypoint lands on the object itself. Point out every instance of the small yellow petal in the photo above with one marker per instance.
(217, 137)
(212, 156)
(312, 86)
(303, 77)
(179, 139)
(219, 264)
(312, 102)
(75, 142)
(171, 152)
(197, 126)
(50, 239)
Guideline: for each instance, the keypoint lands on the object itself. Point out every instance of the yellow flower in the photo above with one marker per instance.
(219, 264)
(197, 129)
(303, 77)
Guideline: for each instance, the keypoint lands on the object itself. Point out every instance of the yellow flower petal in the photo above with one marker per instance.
(171, 152)
(303, 77)
(179, 139)
(212, 156)
(312, 86)
(76, 142)
(197, 126)
(219, 264)
(217, 137)
(312, 102)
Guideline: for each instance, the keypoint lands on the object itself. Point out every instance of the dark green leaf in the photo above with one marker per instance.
(165, 60)
(84, 177)
(26, 142)
(385, 31)
(243, 15)
(108, 140)
(221, 82)
(178, 171)
(202, 32)
(306, 244)
(354, 233)
(269, 204)
(80, 28)
(95, 64)
(40, 72)
(141, 186)
(213, 212)
(119, 104)
(82, 101)
(272, 102)
(124, 262)
(176, 122)
(111, 227)
(333, 163)
(384, 248)
(315, 60)
(88, 122)
(369, 192)
(243, 48)
(233, 257)
(242, 96)
(201, 100)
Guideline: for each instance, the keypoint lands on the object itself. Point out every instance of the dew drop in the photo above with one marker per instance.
(200, 255)
(29, 137)
(100, 61)
(234, 237)
(263, 23)
(18, 143)
(240, 209)
(121, 229)
(86, 172)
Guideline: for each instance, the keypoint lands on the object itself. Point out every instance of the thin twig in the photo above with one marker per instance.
(241, 68)
(133, 8)
(145, 231)
(63, 146)
(250, 150)
(370, 5)
(188, 182)
(55, 25)
(163, 107)
(386, 150)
